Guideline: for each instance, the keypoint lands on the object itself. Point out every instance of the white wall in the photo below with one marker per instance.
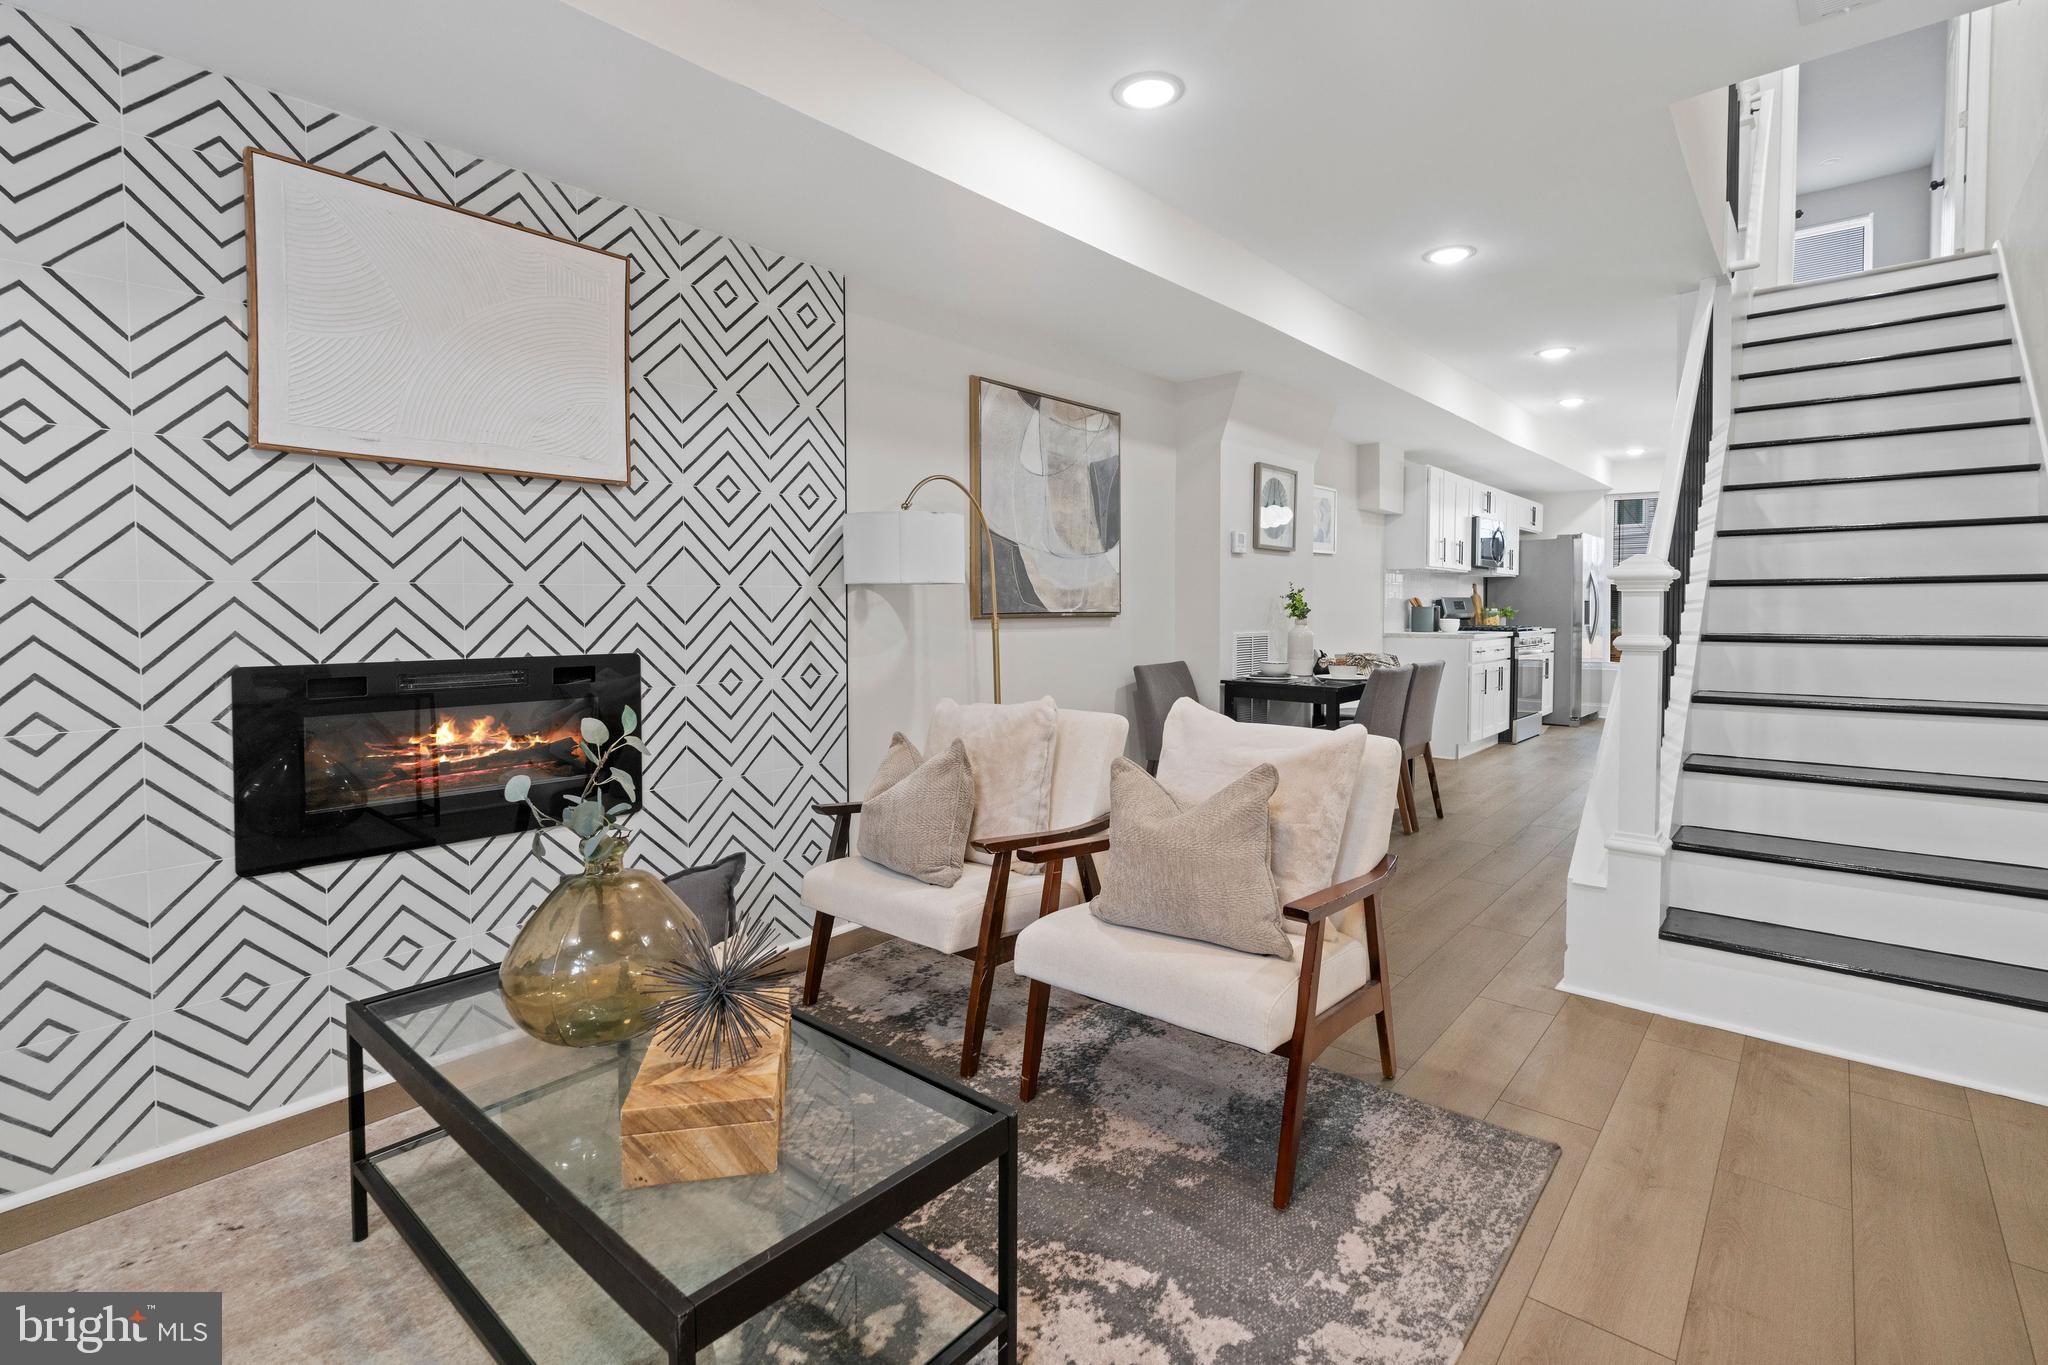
(1898, 205)
(910, 646)
(2017, 154)
(1344, 589)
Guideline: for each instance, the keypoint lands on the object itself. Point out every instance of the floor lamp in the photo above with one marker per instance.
(906, 546)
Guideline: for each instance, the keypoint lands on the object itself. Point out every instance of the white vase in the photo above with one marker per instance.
(1301, 649)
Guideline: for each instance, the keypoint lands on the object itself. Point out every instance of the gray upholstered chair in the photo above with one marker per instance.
(1159, 686)
(1415, 728)
(1383, 710)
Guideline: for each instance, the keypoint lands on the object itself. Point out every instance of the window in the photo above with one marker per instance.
(1632, 518)
(1840, 248)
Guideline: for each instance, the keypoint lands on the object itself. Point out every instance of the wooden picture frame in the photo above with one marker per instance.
(463, 452)
(1108, 520)
(1275, 487)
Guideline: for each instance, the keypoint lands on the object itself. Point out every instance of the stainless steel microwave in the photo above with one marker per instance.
(1489, 544)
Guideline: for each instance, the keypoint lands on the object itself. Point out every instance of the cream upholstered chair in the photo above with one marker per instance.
(979, 916)
(1335, 980)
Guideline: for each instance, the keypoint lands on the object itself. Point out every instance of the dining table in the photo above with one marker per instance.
(1323, 695)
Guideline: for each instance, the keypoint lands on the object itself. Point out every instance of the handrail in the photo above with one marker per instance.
(1680, 437)
(1758, 123)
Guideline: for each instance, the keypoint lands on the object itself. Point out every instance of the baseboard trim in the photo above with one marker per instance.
(73, 1201)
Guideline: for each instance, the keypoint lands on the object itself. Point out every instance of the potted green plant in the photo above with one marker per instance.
(1301, 641)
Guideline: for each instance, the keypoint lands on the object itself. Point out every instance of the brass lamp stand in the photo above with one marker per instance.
(995, 614)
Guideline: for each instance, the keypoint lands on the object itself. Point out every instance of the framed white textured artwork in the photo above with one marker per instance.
(384, 326)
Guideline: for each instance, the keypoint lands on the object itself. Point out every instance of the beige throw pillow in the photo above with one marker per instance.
(1201, 752)
(1011, 747)
(1200, 870)
(915, 816)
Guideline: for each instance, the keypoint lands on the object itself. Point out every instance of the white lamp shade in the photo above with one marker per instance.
(906, 547)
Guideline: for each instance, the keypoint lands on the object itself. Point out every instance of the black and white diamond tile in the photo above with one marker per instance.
(146, 993)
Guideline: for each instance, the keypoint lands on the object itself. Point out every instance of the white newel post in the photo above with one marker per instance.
(1642, 582)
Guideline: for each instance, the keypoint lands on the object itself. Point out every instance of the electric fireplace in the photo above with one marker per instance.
(334, 762)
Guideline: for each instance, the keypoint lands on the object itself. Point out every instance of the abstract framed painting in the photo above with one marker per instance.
(1048, 473)
(1322, 537)
(385, 326)
(1274, 489)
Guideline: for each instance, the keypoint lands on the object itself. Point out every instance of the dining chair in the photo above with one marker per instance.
(1383, 710)
(1415, 728)
(1158, 687)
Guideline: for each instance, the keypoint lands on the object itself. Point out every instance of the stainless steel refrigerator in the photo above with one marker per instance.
(1563, 584)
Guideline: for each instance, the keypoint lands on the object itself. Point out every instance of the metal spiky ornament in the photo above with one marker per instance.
(719, 999)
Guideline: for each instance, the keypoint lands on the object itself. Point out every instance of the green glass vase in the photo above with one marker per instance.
(573, 975)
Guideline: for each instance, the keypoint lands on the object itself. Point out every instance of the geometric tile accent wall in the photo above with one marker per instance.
(146, 992)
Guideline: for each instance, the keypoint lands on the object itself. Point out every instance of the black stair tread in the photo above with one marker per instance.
(1811, 701)
(1884, 779)
(1876, 326)
(1880, 580)
(1959, 385)
(1935, 524)
(1938, 430)
(1897, 864)
(2002, 983)
(1880, 294)
(1972, 472)
(1763, 637)
(1921, 354)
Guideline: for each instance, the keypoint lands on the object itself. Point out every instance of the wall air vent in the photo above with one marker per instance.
(1830, 249)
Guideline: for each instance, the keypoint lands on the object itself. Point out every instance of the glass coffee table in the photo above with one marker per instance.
(514, 1201)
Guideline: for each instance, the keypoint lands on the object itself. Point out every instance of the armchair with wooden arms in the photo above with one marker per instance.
(978, 917)
(1297, 1008)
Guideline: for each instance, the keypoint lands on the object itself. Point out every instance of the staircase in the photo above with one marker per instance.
(1864, 788)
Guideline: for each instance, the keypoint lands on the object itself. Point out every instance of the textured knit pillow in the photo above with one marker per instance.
(917, 812)
(1200, 870)
(1011, 747)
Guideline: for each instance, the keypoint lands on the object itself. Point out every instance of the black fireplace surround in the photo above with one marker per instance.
(341, 761)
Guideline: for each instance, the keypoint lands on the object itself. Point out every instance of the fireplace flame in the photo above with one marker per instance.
(448, 743)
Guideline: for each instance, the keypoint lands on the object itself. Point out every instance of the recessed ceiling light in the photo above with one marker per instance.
(1147, 90)
(1635, 450)
(1571, 401)
(1450, 255)
(1554, 352)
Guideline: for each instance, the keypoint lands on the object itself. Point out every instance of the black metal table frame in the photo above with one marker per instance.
(681, 1324)
(1324, 697)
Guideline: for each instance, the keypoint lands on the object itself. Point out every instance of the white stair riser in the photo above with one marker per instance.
(1848, 554)
(1974, 449)
(1861, 311)
(1983, 746)
(1882, 609)
(1945, 671)
(1919, 822)
(1947, 408)
(1983, 495)
(1954, 367)
(1916, 336)
(1967, 923)
(1851, 286)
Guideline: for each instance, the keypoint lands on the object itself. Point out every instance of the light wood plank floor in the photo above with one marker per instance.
(1720, 1200)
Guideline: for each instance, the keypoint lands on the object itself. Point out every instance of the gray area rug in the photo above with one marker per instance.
(1146, 1220)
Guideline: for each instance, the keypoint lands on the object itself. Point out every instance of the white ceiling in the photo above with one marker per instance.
(1873, 110)
(963, 166)
(1340, 140)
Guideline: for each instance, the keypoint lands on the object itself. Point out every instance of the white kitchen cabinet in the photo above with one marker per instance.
(1528, 517)
(1474, 703)
(1488, 705)
(1434, 534)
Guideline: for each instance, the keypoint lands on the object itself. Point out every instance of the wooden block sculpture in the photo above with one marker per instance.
(683, 1122)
